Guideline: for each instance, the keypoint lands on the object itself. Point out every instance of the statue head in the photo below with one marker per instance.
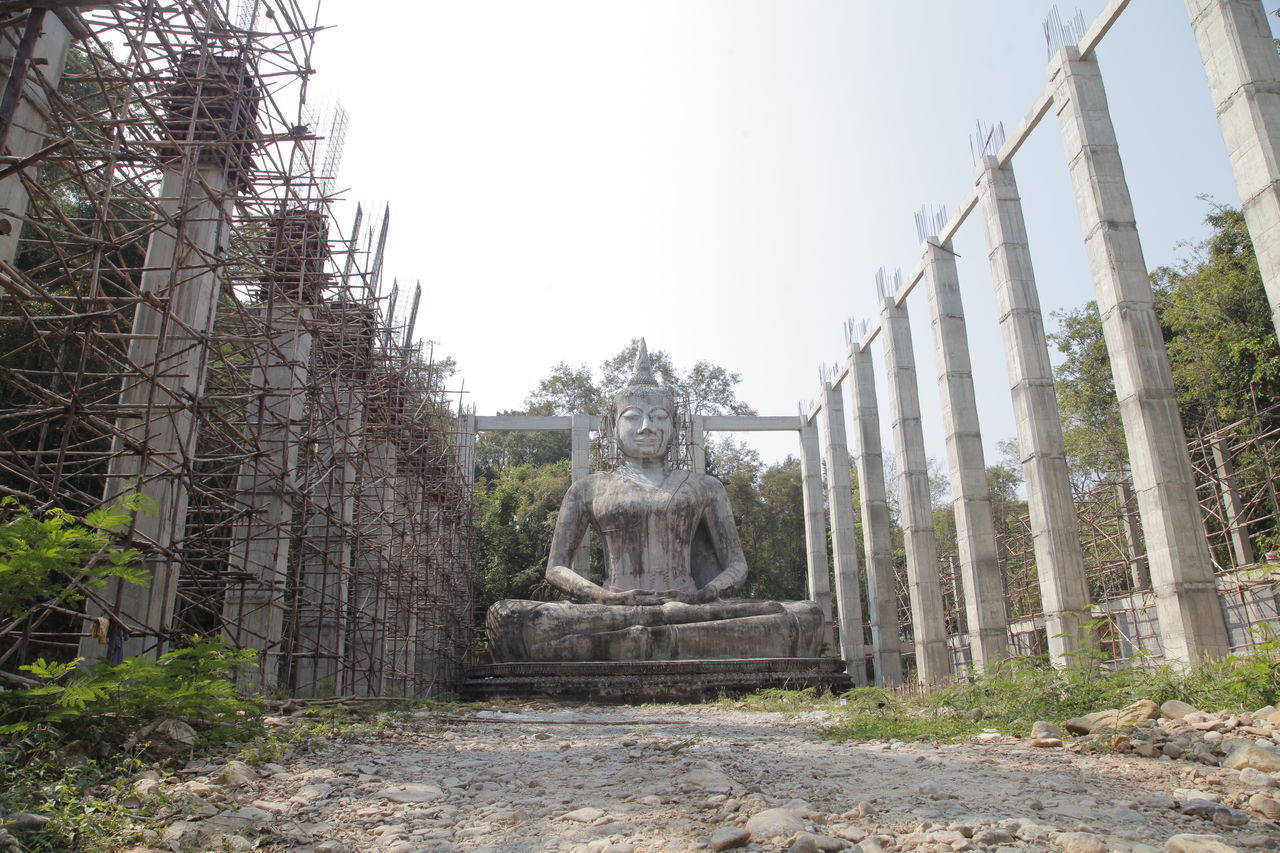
(644, 413)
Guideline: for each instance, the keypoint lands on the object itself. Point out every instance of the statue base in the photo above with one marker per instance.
(633, 682)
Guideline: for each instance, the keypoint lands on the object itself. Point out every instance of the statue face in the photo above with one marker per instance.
(645, 425)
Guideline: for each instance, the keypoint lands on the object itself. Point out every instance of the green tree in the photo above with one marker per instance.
(1218, 331)
(1091, 430)
(1222, 344)
(515, 517)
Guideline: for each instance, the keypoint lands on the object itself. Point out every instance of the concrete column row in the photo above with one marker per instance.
(1244, 73)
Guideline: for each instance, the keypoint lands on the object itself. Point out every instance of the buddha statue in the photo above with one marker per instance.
(672, 556)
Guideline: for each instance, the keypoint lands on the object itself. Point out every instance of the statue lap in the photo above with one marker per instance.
(728, 629)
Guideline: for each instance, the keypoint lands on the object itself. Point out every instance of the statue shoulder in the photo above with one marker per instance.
(706, 483)
(584, 487)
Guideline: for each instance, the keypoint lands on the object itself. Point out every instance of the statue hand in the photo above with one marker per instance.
(630, 597)
(702, 596)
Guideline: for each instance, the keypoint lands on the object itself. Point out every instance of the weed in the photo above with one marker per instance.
(1021, 690)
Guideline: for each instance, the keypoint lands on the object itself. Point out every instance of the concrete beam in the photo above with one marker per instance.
(844, 541)
(579, 467)
(975, 530)
(1243, 69)
(1064, 591)
(1191, 622)
(751, 423)
(698, 444)
(253, 611)
(157, 437)
(815, 528)
(877, 539)
(710, 423)
(524, 423)
(374, 559)
(29, 131)
(928, 625)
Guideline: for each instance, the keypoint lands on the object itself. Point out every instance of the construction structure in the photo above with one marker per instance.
(1157, 561)
(184, 324)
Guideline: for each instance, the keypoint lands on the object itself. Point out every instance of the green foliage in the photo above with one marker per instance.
(104, 704)
(64, 740)
(768, 507)
(777, 699)
(1216, 323)
(1022, 690)
(1091, 428)
(515, 514)
(52, 557)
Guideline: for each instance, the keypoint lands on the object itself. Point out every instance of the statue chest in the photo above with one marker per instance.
(648, 532)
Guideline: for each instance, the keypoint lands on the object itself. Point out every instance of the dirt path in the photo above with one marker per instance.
(648, 779)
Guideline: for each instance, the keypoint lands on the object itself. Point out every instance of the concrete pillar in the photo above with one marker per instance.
(1191, 622)
(253, 611)
(29, 131)
(401, 615)
(579, 467)
(1243, 69)
(1233, 517)
(698, 444)
(882, 595)
(467, 448)
(325, 561)
(157, 436)
(975, 530)
(207, 113)
(815, 526)
(1064, 592)
(928, 626)
(844, 541)
(375, 505)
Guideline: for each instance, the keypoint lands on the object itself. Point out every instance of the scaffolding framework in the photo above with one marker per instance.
(182, 318)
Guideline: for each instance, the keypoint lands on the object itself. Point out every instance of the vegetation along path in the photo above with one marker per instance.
(739, 776)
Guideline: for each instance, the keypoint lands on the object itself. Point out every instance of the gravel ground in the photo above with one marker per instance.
(676, 778)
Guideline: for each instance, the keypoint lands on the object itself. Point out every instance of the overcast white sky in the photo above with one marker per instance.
(725, 177)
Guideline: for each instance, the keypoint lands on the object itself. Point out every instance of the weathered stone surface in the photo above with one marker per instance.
(330, 846)
(1255, 756)
(729, 837)
(414, 793)
(774, 823)
(587, 814)
(1266, 806)
(805, 842)
(1081, 842)
(236, 773)
(1043, 728)
(1192, 843)
(1257, 780)
(1112, 720)
(1176, 709)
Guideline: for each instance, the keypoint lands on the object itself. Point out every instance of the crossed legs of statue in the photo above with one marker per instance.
(559, 631)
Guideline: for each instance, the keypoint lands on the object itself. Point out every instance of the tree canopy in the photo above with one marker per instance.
(1222, 346)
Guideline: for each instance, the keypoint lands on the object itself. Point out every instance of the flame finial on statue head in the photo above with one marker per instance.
(642, 373)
